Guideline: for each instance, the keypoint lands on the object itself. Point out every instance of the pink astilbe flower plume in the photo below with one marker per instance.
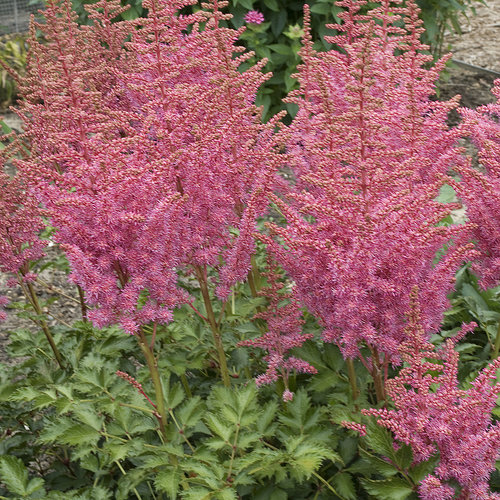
(20, 226)
(369, 151)
(480, 188)
(432, 414)
(147, 151)
(284, 332)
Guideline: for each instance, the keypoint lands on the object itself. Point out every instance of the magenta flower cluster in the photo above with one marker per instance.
(157, 162)
(369, 152)
(21, 223)
(254, 17)
(433, 414)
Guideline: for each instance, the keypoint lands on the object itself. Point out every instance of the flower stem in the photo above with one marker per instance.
(30, 294)
(200, 275)
(496, 348)
(83, 305)
(377, 376)
(352, 378)
(155, 377)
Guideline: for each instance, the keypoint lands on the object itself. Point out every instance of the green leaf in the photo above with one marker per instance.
(79, 434)
(281, 48)
(306, 457)
(35, 484)
(423, 469)
(227, 494)
(387, 489)
(348, 448)
(117, 451)
(377, 464)
(197, 493)
(380, 440)
(174, 395)
(404, 457)
(168, 481)
(14, 474)
(218, 427)
(88, 416)
(320, 8)
(265, 422)
(344, 484)
(446, 194)
(191, 412)
(272, 4)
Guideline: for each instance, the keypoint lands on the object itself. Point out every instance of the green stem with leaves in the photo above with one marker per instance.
(30, 294)
(201, 276)
(156, 379)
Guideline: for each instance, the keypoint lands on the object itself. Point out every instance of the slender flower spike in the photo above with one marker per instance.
(20, 226)
(432, 414)
(284, 332)
(254, 17)
(369, 151)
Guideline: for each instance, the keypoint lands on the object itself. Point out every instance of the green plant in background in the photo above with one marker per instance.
(13, 52)
(440, 16)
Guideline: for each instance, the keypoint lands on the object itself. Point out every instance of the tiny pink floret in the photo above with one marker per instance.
(254, 17)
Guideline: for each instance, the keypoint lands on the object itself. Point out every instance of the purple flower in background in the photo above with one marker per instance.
(254, 17)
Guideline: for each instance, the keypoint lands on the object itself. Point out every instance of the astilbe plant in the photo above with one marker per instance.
(480, 187)
(369, 151)
(433, 415)
(284, 324)
(149, 154)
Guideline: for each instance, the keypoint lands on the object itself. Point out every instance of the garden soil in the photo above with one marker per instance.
(479, 45)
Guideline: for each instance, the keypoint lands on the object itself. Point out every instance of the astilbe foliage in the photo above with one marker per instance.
(369, 151)
(148, 152)
(433, 415)
(480, 187)
(284, 324)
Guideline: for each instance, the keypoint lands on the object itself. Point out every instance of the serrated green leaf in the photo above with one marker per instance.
(210, 474)
(117, 451)
(265, 420)
(387, 489)
(306, 457)
(34, 485)
(191, 412)
(348, 448)
(227, 494)
(423, 469)
(88, 416)
(14, 474)
(174, 395)
(344, 484)
(404, 457)
(378, 464)
(380, 440)
(78, 435)
(168, 481)
(197, 493)
(217, 426)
